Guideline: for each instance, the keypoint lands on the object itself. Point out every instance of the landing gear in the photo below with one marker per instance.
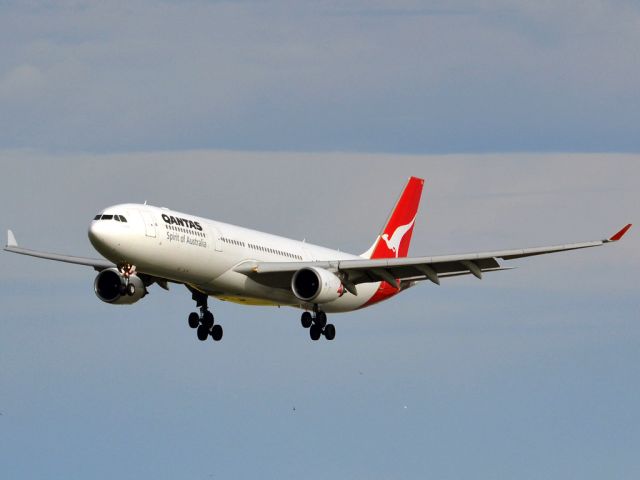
(321, 319)
(204, 321)
(203, 333)
(314, 332)
(306, 320)
(207, 319)
(216, 333)
(127, 271)
(194, 320)
(317, 324)
(330, 332)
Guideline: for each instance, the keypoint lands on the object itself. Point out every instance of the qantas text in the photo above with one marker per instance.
(183, 222)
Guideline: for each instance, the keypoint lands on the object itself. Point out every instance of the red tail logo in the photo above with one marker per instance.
(395, 238)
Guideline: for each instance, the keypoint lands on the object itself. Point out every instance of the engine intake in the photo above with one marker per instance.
(316, 285)
(111, 287)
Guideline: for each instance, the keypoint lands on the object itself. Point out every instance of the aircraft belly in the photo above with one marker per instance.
(236, 287)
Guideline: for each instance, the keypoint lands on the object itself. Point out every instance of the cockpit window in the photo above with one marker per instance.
(117, 218)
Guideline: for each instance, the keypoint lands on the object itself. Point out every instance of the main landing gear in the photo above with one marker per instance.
(203, 322)
(317, 324)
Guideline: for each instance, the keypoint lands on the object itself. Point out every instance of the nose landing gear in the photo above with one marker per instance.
(203, 322)
(127, 270)
(317, 324)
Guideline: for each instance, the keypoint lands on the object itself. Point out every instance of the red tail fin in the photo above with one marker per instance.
(395, 237)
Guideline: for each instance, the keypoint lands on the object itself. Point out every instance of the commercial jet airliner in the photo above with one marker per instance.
(143, 245)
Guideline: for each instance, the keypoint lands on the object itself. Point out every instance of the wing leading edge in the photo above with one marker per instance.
(390, 270)
(96, 263)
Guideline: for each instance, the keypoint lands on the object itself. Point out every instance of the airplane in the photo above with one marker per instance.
(143, 244)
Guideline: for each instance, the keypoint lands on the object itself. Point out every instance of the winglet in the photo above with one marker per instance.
(620, 234)
(11, 239)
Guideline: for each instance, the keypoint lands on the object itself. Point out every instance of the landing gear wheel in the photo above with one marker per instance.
(130, 289)
(216, 333)
(203, 320)
(207, 319)
(306, 319)
(329, 331)
(321, 319)
(194, 320)
(314, 332)
(203, 333)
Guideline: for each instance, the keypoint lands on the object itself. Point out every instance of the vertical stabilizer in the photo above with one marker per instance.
(394, 240)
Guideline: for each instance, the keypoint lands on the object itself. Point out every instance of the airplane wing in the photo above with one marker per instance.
(97, 263)
(355, 271)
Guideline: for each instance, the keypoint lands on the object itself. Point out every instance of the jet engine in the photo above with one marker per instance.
(316, 285)
(111, 286)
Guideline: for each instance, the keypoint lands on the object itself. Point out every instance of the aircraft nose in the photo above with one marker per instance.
(98, 234)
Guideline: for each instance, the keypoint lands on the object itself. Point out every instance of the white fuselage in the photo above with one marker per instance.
(202, 253)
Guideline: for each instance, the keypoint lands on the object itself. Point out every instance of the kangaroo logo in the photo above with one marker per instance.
(393, 243)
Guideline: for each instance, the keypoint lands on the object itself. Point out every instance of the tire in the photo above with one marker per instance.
(131, 289)
(216, 333)
(314, 332)
(194, 320)
(207, 319)
(306, 320)
(203, 333)
(330, 331)
(321, 319)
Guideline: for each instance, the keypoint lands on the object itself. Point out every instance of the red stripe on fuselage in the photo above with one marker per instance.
(384, 292)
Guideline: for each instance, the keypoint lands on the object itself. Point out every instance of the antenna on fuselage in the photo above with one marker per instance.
(145, 202)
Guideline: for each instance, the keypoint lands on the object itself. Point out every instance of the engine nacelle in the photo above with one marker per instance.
(110, 286)
(316, 285)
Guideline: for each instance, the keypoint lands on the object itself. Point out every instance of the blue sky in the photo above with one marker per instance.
(416, 77)
(305, 119)
(530, 373)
